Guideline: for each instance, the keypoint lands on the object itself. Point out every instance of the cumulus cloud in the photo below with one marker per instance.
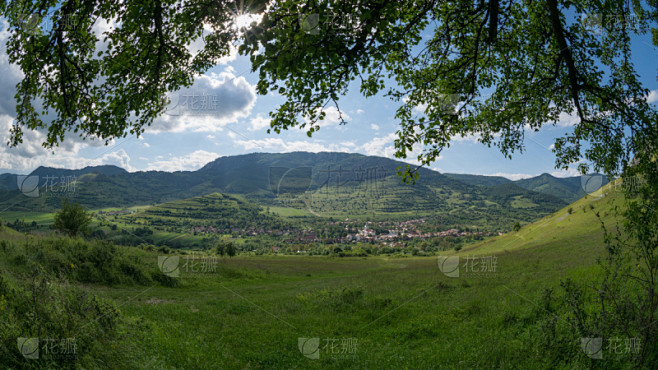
(567, 119)
(100, 29)
(571, 172)
(188, 162)
(31, 154)
(384, 146)
(10, 74)
(259, 123)
(381, 146)
(214, 101)
(652, 97)
(332, 117)
(199, 44)
(511, 176)
(283, 146)
(475, 138)
(27, 158)
(374, 126)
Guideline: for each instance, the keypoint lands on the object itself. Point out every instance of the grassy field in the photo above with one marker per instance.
(398, 313)
(312, 312)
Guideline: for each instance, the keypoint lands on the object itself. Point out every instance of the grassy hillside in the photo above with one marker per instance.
(576, 223)
(319, 184)
(569, 189)
(315, 312)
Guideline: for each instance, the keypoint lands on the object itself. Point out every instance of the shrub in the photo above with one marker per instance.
(72, 218)
(48, 308)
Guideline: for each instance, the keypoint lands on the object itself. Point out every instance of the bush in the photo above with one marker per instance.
(87, 261)
(49, 309)
(72, 218)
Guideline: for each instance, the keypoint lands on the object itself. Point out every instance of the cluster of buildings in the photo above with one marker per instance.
(366, 234)
(386, 232)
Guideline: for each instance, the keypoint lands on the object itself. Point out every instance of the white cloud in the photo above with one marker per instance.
(374, 126)
(381, 146)
(571, 172)
(359, 111)
(283, 146)
(259, 123)
(332, 117)
(475, 138)
(31, 154)
(567, 119)
(652, 97)
(236, 98)
(511, 176)
(100, 28)
(188, 162)
(199, 44)
(212, 102)
(385, 147)
(10, 74)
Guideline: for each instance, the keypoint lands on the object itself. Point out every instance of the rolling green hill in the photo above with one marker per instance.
(575, 225)
(569, 189)
(319, 184)
(253, 311)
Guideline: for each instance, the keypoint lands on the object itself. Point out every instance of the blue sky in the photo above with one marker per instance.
(231, 119)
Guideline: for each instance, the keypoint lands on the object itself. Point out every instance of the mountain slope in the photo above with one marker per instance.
(572, 226)
(568, 188)
(324, 184)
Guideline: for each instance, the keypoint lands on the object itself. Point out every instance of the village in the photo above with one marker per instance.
(349, 231)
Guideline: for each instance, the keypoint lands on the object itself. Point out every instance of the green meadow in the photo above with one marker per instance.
(501, 310)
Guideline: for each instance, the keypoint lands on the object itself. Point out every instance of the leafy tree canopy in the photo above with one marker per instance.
(490, 68)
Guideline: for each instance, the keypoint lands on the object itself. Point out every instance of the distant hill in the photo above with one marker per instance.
(324, 184)
(9, 181)
(569, 189)
(107, 170)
